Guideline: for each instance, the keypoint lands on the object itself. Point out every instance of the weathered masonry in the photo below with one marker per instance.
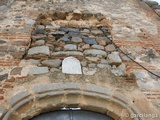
(57, 54)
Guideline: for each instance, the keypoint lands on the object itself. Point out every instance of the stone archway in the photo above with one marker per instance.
(45, 98)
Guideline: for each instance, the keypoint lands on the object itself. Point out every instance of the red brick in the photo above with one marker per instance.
(8, 86)
(1, 91)
(12, 79)
(20, 43)
(1, 97)
(9, 62)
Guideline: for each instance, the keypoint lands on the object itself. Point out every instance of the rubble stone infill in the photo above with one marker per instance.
(55, 38)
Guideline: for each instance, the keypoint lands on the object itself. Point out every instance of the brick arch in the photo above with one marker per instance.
(45, 98)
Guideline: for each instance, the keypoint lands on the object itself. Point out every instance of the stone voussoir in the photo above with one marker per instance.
(55, 86)
(18, 97)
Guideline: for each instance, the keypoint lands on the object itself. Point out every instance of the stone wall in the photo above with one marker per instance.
(36, 39)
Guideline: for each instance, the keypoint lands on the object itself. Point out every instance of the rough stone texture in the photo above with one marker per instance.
(52, 63)
(104, 61)
(86, 46)
(90, 41)
(104, 66)
(37, 70)
(35, 38)
(4, 76)
(94, 52)
(92, 65)
(96, 32)
(54, 70)
(103, 41)
(39, 31)
(99, 47)
(40, 42)
(33, 62)
(134, 26)
(117, 72)
(114, 58)
(57, 33)
(16, 71)
(39, 50)
(76, 39)
(85, 31)
(89, 71)
(64, 38)
(70, 47)
(71, 65)
(110, 48)
(93, 59)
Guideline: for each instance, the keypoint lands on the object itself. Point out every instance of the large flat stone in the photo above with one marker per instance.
(55, 87)
(94, 52)
(33, 62)
(71, 47)
(39, 50)
(99, 47)
(67, 53)
(52, 63)
(37, 70)
(57, 33)
(71, 65)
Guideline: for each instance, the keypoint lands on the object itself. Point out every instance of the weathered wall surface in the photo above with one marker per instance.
(133, 26)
